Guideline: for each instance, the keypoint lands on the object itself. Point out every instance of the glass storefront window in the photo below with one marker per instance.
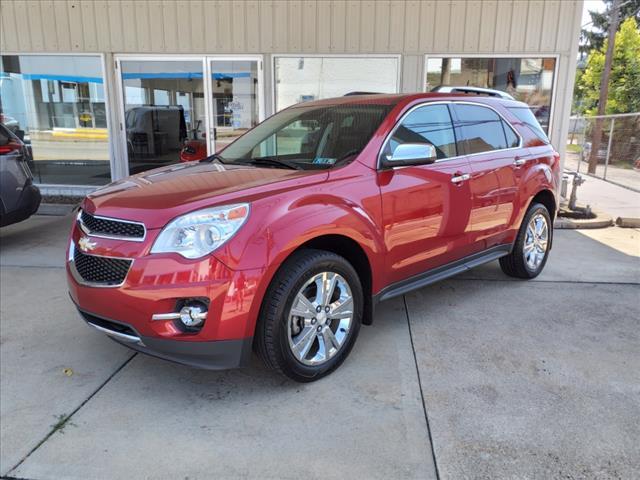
(57, 103)
(529, 80)
(301, 79)
(164, 107)
(235, 98)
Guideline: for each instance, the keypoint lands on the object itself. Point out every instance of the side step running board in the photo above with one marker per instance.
(440, 273)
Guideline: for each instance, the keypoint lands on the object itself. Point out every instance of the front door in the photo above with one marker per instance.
(168, 102)
(425, 208)
(236, 98)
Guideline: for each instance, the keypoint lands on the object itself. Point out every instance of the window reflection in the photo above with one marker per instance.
(58, 102)
(301, 79)
(529, 80)
(235, 99)
(164, 107)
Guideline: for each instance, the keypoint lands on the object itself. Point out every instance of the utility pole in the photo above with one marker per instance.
(604, 86)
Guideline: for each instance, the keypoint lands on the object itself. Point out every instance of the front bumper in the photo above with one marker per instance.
(156, 284)
(215, 355)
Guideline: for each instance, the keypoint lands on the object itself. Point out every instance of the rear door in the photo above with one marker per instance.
(425, 207)
(492, 148)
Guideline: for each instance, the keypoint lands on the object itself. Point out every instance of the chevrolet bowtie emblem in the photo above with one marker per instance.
(86, 245)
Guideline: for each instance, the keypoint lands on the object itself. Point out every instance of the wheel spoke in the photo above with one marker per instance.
(328, 286)
(303, 307)
(528, 247)
(329, 341)
(530, 258)
(544, 230)
(303, 342)
(342, 310)
(329, 338)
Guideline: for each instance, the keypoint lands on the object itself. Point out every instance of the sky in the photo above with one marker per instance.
(596, 5)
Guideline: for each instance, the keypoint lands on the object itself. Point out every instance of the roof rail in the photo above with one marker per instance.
(350, 94)
(472, 91)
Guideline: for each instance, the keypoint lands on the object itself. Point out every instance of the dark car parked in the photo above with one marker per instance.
(19, 198)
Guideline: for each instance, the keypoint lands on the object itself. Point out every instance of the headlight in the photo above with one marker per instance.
(198, 233)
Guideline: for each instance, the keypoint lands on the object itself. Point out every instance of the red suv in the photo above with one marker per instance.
(286, 240)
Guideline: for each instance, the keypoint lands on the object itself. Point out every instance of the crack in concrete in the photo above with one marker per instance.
(61, 424)
(424, 405)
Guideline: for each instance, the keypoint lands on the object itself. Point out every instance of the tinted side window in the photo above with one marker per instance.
(432, 124)
(512, 138)
(526, 116)
(480, 128)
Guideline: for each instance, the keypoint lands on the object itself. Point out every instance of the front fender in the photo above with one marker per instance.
(278, 227)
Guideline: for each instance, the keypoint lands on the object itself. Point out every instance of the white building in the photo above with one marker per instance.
(107, 88)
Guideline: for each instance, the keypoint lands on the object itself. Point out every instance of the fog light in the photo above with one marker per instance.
(193, 315)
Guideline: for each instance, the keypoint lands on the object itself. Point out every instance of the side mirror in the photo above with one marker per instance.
(411, 154)
(20, 134)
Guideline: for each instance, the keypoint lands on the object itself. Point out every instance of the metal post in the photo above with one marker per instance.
(584, 142)
(606, 162)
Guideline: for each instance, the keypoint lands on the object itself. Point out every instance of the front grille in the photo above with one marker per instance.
(111, 227)
(101, 270)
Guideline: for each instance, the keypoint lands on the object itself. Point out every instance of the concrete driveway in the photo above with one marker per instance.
(480, 376)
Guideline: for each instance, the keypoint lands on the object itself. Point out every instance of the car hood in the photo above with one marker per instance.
(157, 196)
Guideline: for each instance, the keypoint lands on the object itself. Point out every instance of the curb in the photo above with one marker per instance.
(628, 222)
(602, 220)
(55, 209)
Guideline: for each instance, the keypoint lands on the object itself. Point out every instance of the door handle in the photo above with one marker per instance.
(460, 178)
(519, 161)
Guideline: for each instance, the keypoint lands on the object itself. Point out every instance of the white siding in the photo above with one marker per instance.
(279, 26)
(412, 28)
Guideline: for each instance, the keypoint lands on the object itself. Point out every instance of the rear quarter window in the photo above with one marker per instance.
(526, 116)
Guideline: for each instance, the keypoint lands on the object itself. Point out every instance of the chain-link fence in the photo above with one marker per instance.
(617, 158)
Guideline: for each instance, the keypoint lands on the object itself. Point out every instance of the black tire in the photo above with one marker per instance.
(271, 337)
(514, 264)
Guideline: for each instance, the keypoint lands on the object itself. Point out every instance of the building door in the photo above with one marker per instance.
(167, 102)
(236, 98)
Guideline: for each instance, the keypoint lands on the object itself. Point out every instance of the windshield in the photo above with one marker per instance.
(308, 137)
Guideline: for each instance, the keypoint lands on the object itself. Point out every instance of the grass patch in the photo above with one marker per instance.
(572, 147)
(61, 423)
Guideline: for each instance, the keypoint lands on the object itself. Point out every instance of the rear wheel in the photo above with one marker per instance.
(531, 248)
(311, 315)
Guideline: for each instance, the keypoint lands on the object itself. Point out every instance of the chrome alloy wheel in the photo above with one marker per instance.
(320, 318)
(536, 241)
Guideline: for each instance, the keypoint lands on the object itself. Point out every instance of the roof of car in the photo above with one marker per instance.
(396, 98)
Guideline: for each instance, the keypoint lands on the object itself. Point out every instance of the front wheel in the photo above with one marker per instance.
(310, 316)
(531, 248)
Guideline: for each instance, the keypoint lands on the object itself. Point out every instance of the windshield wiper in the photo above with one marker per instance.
(213, 157)
(274, 161)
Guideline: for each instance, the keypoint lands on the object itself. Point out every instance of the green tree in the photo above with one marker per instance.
(624, 82)
(594, 37)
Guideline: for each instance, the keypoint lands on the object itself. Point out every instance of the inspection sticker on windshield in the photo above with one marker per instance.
(324, 161)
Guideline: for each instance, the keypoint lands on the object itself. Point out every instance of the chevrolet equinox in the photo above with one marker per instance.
(285, 241)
